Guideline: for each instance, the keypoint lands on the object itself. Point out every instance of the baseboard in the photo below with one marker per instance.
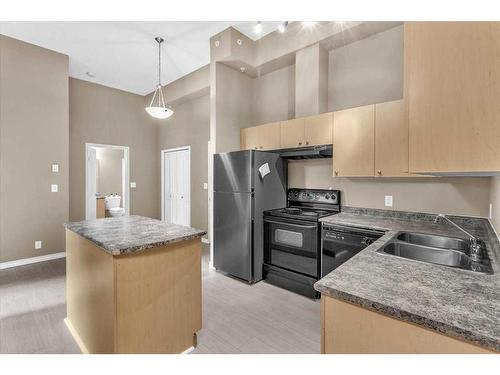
(22, 262)
(205, 240)
(76, 336)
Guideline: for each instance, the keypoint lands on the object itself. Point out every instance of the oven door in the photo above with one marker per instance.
(292, 245)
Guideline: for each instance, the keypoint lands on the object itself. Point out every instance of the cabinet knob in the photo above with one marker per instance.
(256, 148)
(261, 147)
(336, 173)
(300, 143)
(379, 173)
(307, 142)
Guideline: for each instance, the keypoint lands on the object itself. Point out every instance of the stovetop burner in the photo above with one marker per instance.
(308, 204)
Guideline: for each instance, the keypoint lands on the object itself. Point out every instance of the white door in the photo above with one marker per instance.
(177, 186)
(91, 183)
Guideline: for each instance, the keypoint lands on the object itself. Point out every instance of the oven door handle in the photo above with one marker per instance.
(290, 224)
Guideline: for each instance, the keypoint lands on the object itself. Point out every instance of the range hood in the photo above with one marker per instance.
(312, 152)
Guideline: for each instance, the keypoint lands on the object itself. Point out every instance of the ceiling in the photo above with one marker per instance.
(124, 55)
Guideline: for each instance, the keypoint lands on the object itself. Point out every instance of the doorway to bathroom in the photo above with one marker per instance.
(176, 185)
(107, 186)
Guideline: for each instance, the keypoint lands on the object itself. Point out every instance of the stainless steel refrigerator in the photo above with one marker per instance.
(241, 193)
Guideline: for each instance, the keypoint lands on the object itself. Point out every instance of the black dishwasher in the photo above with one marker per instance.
(339, 243)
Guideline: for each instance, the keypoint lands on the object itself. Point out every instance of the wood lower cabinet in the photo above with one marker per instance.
(262, 137)
(351, 329)
(292, 133)
(354, 142)
(318, 130)
(452, 82)
(144, 302)
(391, 139)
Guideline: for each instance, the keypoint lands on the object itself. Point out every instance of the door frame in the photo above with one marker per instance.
(162, 158)
(125, 177)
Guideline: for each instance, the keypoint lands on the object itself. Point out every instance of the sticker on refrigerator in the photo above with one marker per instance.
(264, 170)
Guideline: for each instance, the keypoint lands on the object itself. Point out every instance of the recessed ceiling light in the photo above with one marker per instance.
(282, 27)
(258, 28)
(90, 74)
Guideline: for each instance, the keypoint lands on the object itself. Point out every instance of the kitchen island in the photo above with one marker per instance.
(376, 303)
(133, 285)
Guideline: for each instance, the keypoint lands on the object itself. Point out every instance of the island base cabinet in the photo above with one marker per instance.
(350, 329)
(144, 302)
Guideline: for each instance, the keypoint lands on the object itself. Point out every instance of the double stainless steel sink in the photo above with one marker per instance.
(441, 250)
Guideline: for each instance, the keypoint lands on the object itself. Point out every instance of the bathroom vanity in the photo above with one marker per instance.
(133, 285)
(100, 207)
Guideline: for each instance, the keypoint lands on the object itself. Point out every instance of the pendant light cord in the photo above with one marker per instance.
(159, 62)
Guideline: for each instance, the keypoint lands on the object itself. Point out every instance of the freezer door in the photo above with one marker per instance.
(233, 234)
(233, 171)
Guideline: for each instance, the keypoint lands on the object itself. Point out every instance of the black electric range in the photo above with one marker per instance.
(292, 239)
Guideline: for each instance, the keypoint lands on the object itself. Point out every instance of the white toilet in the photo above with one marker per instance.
(112, 203)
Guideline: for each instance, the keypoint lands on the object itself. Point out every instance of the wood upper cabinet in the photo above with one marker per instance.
(262, 137)
(292, 133)
(308, 131)
(391, 139)
(452, 82)
(318, 130)
(354, 142)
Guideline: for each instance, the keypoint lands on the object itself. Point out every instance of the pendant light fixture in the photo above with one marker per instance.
(158, 109)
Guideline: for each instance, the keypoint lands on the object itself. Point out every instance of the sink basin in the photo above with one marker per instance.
(451, 258)
(440, 250)
(435, 241)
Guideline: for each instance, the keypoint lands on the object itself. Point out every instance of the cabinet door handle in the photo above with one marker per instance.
(261, 147)
(336, 173)
(307, 142)
(300, 143)
(379, 173)
(256, 148)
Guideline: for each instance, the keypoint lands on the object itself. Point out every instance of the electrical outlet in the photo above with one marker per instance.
(205, 186)
(54, 188)
(38, 245)
(55, 168)
(388, 200)
(133, 185)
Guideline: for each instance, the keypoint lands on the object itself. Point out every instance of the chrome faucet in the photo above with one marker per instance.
(476, 254)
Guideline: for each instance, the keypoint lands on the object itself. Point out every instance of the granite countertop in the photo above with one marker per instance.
(130, 234)
(454, 302)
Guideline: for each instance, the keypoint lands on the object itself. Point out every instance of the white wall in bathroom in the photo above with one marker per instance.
(109, 171)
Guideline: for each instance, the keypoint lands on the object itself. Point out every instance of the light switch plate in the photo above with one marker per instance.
(205, 186)
(133, 185)
(54, 188)
(55, 168)
(388, 200)
(38, 245)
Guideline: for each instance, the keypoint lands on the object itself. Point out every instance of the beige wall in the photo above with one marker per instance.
(453, 195)
(109, 172)
(274, 96)
(190, 126)
(234, 107)
(99, 114)
(495, 202)
(311, 71)
(366, 72)
(33, 135)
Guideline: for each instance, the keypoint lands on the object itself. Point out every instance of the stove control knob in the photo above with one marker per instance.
(327, 196)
